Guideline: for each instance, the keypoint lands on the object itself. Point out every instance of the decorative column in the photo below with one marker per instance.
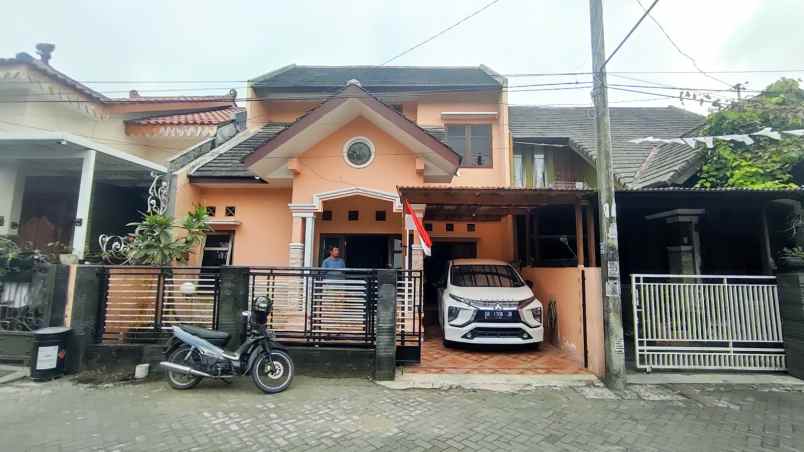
(309, 239)
(417, 253)
(684, 248)
(84, 203)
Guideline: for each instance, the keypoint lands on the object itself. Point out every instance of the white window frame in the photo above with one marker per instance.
(354, 140)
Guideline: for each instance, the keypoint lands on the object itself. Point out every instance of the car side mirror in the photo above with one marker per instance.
(529, 283)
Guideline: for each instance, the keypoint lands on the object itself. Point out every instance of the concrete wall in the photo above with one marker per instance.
(563, 284)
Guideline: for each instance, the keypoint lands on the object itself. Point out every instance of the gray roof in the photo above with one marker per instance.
(229, 163)
(577, 126)
(295, 77)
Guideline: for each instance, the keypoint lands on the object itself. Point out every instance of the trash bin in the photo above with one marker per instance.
(49, 351)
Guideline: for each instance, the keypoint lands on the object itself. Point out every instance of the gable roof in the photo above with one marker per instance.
(58, 76)
(577, 127)
(215, 116)
(374, 78)
(231, 162)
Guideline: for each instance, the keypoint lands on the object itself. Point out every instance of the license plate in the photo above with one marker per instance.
(497, 315)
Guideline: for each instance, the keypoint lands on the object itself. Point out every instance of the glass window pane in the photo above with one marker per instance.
(519, 175)
(456, 138)
(481, 150)
(538, 169)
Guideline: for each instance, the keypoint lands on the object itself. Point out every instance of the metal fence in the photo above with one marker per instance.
(16, 310)
(409, 315)
(319, 306)
(141, 304)
(707, 322)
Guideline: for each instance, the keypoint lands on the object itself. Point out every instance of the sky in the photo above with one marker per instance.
(217, 45)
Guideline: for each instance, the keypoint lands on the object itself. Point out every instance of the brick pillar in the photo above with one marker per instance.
(418, 258)
(296, 254)
(385, 328)
(791, 301)
(234, 293)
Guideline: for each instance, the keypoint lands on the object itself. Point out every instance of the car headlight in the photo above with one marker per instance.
(459, 315)
(531, 315)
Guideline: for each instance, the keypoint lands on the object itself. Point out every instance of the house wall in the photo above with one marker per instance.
(494, 239)
(324, 169)
(265, 223)
(564, 286)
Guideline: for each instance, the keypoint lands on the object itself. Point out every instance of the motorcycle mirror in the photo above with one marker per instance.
(245, 314)
(261, 303)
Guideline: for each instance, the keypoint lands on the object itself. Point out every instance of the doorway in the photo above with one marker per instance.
(364, 250)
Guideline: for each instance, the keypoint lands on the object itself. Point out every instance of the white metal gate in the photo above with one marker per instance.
(707, 322)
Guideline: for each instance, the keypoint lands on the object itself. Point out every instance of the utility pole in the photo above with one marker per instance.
(609, 247)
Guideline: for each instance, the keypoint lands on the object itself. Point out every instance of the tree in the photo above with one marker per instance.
(768, 163)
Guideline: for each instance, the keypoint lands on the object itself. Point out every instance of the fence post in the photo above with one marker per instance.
(385, 326)
(234, 293)
(791, 303)
(84, 314)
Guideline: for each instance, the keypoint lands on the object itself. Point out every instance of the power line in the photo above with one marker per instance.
(405, 52)
(745, 71)
(683, 53)
(630, 32)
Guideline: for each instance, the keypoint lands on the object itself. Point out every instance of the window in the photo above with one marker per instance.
(484, 276)
(354, 215)
(230, 211)
(326, 215)
(473, 142)
(379, 215)
(428, 227)
(358, 152)
(211, 211)
(217, 250)
(450, 227)
(470, 227)
(529, 168)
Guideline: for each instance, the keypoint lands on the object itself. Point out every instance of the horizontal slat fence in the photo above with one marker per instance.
(142, 304)
(707, 322)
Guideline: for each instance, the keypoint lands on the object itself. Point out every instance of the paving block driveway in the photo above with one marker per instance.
(351, 414)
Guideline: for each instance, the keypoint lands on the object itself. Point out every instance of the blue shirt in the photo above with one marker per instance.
(334, 262)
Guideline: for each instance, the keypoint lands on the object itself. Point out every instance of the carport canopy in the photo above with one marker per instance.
(477, 204)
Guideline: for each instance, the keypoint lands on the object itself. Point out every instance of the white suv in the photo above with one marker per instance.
(486, 301)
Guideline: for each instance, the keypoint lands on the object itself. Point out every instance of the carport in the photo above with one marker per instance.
(550, 236)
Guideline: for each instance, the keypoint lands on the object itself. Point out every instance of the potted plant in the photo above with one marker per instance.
(791, 258)
(17, 262)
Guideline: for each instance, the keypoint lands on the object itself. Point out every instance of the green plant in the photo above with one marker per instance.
(154, 241)
(16, 259)
(768, 163)
(796, 252)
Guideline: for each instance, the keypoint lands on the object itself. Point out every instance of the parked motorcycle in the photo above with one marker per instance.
(195, 353)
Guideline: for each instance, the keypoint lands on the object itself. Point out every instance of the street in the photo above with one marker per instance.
(352, 414)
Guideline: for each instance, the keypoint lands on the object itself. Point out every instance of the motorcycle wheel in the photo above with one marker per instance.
(271, 382)
(179, 380)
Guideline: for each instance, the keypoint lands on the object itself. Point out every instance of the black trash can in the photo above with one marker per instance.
(49, 352)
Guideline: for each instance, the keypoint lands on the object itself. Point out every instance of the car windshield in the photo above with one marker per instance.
(485, 276)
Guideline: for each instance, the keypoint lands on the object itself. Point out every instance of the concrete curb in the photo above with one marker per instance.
(661, 378)
(17, 373)
(487, 382)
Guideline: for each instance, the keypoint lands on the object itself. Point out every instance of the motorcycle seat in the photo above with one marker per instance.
(215, 337)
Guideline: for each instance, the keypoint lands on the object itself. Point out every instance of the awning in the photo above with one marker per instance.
(486, 203)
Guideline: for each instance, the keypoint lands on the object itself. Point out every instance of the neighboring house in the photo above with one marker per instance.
(73, 159)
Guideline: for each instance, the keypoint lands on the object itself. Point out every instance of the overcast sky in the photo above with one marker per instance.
(235, 40)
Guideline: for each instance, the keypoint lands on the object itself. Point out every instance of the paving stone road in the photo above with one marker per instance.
(352, 414)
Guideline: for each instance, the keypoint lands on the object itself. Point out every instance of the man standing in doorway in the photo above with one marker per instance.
(334, 260)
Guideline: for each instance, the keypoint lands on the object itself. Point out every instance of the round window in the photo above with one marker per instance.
(358, 152)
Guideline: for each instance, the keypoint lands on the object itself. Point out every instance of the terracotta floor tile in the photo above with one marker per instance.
(438, 359)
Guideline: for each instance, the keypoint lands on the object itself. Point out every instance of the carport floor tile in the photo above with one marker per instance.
(436, 358)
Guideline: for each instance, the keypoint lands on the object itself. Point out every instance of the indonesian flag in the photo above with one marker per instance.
(414, 222)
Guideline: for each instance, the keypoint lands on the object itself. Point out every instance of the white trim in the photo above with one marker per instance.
(84, 203)
(358, 139)
(474, 114)
(85, 143)
(223, 222)
(319, 198)
(301, 210)
(309, 240)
